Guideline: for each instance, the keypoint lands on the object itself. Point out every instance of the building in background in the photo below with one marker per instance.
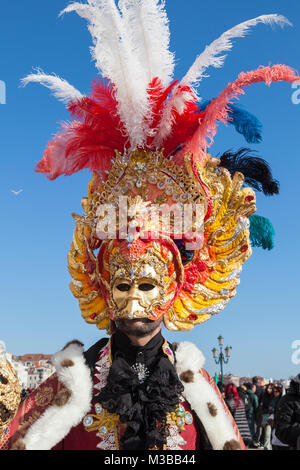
(31, 369)
(231, 379)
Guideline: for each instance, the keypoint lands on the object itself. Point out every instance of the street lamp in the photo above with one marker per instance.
(228, 351)
(219, 356)
(215, 353)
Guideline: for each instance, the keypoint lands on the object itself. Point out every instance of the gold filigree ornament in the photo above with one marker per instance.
(10, 394)
(102, 421)
(180, 418)
(227, 247)
(192, 284)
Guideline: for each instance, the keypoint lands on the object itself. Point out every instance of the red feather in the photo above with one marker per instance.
(158, 95)
(184, 124)
(90, 142)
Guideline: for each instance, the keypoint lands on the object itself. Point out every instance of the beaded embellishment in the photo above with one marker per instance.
(141, 371)
(180, 418)
(102, 421)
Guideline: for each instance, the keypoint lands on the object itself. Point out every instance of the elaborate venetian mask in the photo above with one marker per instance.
(140, 281)
(146, 139)
(150, 272)
(136, 295)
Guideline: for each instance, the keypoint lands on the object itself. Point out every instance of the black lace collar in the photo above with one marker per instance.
(142, 406)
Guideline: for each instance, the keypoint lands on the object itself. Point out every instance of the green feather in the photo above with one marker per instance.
(261, 232)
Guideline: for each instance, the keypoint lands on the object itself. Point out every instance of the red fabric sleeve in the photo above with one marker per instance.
(30, 410)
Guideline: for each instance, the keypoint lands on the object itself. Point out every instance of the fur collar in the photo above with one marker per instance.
(73, 372)
(68, 410)
(203, 396)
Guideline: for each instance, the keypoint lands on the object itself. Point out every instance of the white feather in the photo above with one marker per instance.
(210, 56)
(60, 88)
(113, 52)
(148, 26)
(178, 103)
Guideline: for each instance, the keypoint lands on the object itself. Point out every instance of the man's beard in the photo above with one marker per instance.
(139, 327)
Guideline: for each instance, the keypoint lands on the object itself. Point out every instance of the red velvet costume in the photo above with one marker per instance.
(145, 137)
(191, 437)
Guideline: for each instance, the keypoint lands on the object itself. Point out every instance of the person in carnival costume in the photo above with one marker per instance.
(134, 259)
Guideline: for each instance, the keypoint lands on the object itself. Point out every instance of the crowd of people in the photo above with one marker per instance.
(268, 417)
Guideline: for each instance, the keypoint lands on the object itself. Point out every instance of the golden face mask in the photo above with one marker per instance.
(142, 279)
(136, 297)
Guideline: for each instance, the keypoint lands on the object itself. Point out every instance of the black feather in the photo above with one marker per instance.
(256, 171)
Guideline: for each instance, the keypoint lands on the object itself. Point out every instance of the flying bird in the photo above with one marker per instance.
(16, 193)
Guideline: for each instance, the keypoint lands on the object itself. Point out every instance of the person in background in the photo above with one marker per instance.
(258, 415)
(287, 416)
(268, 407)
(232, 398)
(235, 401)
(252, 408)
(259, 390)
(276, 443)
(278, 392)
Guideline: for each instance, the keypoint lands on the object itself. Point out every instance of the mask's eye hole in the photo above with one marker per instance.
(146, 286)
(123, 287)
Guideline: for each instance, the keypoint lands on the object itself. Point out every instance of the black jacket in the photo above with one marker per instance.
(268, 404)
(287, 415)
(259, 393)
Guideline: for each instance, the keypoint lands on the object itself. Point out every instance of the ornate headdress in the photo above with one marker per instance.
(10, 392)
(166, 228)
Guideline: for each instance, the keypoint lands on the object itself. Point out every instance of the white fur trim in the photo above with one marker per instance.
(56, 422)
(199, 393)
(188, 357)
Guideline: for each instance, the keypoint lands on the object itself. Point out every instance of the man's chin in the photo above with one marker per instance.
(139, 327)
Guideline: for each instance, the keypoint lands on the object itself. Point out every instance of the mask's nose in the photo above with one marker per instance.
(134, 309)
(134, 292)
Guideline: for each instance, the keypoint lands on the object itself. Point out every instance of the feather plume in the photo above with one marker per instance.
(261, 232)
(183, 99)
(209, 57)
(256, 171)
(211, 54)
(218, 109)
(148, 24)
(60, 88)
(244, 122)
(113, 52)
(91, 140)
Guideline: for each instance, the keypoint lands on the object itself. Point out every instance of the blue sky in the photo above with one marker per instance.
(38, 313)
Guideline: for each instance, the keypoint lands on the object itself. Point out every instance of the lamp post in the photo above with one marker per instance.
(219, 357)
